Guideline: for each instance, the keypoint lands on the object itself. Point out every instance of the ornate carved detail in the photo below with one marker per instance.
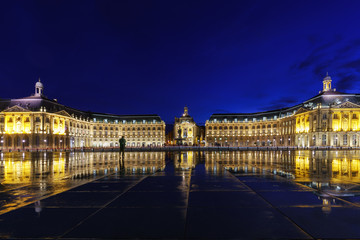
(63, 113)
(301, 110)
(16, 108)
(347, 104)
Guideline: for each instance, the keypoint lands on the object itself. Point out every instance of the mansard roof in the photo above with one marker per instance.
(34, 103)
(127, 118)
(332, 99)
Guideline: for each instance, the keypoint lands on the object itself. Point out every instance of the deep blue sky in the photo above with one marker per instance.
(144, 57)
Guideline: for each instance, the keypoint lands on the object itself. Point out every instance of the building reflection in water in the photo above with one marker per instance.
(331, 174)
(317, 167)
(25, 177)
(19, 168)
(187, 160)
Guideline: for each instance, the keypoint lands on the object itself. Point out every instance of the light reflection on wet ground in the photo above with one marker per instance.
(279, 194)
(27, 177)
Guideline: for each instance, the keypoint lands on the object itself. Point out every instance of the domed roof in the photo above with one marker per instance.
(327, 77)
(39, 84)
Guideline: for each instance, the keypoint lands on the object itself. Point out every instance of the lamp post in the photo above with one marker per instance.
(23, 141)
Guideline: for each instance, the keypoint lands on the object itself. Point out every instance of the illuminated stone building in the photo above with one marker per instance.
(37, 122)
(330, 118)
(186, 131)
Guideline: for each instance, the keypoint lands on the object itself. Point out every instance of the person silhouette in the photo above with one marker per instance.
(122, 144)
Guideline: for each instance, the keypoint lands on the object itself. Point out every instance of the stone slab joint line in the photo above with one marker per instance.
(277, 209)
(104, 206)
(187, 203)
(53, 194)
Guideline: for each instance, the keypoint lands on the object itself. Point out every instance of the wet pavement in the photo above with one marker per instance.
(196, 196)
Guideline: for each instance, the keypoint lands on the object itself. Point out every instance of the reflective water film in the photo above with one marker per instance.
(26, 177)
(194, 194)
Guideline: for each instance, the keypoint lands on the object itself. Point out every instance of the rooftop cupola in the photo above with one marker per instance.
(39, 88)
(186, 113)
(327, 83)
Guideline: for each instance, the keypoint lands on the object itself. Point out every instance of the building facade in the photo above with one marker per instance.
(186, 131)
(330, 118)
(37, 122)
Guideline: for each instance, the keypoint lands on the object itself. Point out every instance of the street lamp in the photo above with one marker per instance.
(23, 141)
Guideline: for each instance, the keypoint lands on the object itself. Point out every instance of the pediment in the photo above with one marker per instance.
(16, 108)
(301, 110)
(63, 113)
(347, 104)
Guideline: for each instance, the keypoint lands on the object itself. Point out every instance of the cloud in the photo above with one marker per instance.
(337, 56)
(280, 103)
(318, 53)
(353, 64)
(349, 48)
(347, 81)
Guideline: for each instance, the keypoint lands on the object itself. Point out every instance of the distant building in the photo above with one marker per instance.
(37, 122)
(186, 131)
(330, 118)
(169, 135)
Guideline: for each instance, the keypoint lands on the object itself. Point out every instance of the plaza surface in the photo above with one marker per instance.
(191, 197)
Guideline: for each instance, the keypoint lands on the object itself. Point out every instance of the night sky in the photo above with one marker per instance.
(155, 57)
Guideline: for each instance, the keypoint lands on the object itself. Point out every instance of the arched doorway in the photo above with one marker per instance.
(8, 141)
(17, 141)
(56, 142)
(26, 141)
